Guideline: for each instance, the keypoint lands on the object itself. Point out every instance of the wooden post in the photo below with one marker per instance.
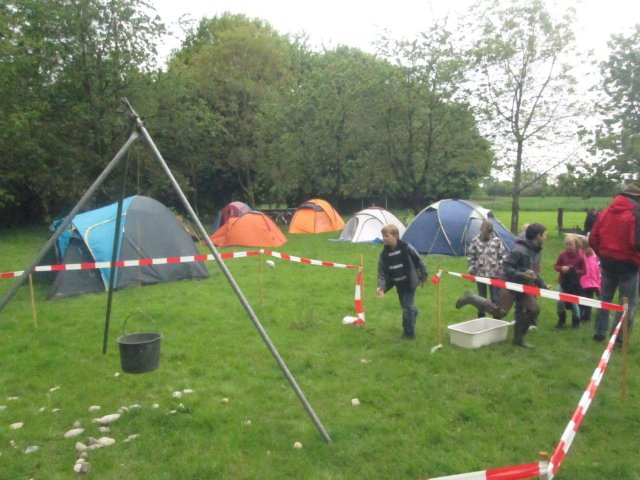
(33, 302)
(261, 286)
(625, 351)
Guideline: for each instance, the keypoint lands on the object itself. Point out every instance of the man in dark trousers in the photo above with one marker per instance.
(615, 238)
(401, 266)
(521, 265)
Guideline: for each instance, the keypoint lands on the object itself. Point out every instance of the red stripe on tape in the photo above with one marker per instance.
(531, 290)
(8, 275)
(173, 259)
(146, 261)
(528, 470)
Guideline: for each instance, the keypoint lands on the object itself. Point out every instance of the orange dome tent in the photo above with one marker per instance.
(253, 229)
(315, 216)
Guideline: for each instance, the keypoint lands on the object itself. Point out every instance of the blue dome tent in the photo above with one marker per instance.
(448, 226)
(148, 230)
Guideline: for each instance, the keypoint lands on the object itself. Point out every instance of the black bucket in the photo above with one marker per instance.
(139, 352)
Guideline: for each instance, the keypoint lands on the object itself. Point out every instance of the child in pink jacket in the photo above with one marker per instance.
(590, 281)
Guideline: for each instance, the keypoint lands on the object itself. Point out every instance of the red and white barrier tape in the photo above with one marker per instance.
(358, 320)
(129, 263)
(517, 472)
(531, 290)
(306, 261)
(549, 470)
(584, 404)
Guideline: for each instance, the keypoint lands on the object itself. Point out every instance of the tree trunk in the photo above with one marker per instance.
(515, 193)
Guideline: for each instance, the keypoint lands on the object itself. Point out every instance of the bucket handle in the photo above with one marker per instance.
(139, 313)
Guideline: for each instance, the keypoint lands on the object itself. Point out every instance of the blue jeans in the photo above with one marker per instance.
(562, 307)
(627, 286)
(409, 311)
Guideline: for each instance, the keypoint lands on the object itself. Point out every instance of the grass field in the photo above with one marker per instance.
(420, 415)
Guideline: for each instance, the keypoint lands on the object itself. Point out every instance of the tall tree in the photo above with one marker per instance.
(65, 64)
(618, 138)
(522, 81)
(429, 142)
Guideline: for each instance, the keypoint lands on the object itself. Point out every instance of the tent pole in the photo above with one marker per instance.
(230, 279)
(65, 223)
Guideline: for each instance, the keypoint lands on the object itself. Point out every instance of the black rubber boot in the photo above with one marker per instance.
(481, 303)
(575, 321)
(562, 320)
(520, 329)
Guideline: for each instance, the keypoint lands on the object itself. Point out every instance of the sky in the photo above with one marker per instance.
(358, 23)
(330, 23)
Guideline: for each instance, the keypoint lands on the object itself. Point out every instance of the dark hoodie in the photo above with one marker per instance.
(615, 237)
(524, 256)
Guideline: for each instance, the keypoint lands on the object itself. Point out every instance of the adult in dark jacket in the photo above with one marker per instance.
(401, 266)
(521, 265)
(615, 238)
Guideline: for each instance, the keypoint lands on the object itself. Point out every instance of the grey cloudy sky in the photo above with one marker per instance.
(358, 23)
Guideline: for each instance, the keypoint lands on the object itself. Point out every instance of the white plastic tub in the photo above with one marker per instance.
(478, 332)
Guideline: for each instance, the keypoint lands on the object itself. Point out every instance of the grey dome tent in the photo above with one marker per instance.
(447, 227)
(365, 225)
(148, 230)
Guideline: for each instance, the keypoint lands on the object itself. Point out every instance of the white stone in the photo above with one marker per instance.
(80, 447)
(53, 389)
(247, 423)
(13, 444)
(31, 449)
(155, 405)
(82, 468)
(55, 410)
(176, 394)
(225, 400)
(77, 424)
(134, 406)
(270, 263)
(355, 402)
(41, 409)
(131, 437)
(297, 445)
(95, 408)
(117, 374)
(364, 361)
(81, 460)
(104, 429)
(16, 426)
(3, 407)
(12, 399)
(107, 419)
(106, 441)
(187, 391)
(73, 432)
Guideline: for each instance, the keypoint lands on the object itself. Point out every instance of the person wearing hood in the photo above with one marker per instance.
(521, 265)
(615, 238)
